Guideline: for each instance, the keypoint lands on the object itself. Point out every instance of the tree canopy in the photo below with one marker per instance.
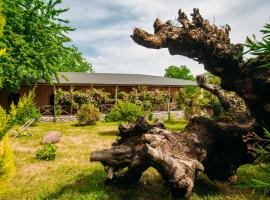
(181, 72)
(36, 42)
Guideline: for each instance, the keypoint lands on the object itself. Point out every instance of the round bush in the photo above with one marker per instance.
(125, 111)
(48, 152)
(88, 114)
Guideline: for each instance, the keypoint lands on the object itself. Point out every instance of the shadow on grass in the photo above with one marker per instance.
(107, 133)
(205, 187)
(85, 185)
(92, 186)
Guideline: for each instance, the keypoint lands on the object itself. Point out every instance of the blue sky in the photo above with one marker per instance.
(103, 29)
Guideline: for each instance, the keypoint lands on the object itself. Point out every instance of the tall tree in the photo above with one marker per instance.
(35, 38)
(181, 72)
(2, 24)
(74, 61)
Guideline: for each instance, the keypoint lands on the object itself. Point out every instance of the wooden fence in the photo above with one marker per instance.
(104, 108)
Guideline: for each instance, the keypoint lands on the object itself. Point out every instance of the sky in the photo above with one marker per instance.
(103, 29)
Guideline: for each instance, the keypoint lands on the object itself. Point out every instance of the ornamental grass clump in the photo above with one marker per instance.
(88, 114)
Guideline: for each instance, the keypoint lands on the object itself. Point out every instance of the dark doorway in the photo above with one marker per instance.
(13, 97)
(52, 99)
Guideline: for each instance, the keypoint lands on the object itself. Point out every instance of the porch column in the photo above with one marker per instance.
(169, 103)
(115, 93)
(54, 109)
(71, 92)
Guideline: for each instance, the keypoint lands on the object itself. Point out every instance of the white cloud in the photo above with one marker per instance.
(105, 27)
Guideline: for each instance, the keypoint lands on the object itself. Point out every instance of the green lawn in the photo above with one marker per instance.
(72, 176)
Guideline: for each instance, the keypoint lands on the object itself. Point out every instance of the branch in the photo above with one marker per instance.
(196, 39)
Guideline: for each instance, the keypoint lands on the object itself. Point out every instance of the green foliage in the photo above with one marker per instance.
(261, 48)
(195, 100)
(125, 111)
(88, 114)
(7, 166)
(146, 99)
(35, 39)
(47, 152)
(75, 99)
(261, 146)
(181, 72)
(74, 62)
(26, 108)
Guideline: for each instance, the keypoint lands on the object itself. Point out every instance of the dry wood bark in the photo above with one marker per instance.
(216, 148)
(204, 145)
(233, 105)
(211, 46)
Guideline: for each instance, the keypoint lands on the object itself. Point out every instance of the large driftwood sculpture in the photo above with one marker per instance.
(210, 45)
(205, 145)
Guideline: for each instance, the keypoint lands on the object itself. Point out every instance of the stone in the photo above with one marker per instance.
(51, 137)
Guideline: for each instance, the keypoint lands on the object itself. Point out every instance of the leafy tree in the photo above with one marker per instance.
(74, 61)
(2, 24)
(35, 38)
(181, 72)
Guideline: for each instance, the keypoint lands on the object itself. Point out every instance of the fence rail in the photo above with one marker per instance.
(104, 108)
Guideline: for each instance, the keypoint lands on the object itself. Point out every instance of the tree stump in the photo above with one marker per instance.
(204, 146)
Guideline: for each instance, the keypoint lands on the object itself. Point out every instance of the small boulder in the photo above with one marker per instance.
(51, 137)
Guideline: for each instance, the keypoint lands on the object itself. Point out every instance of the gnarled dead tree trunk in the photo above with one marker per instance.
(210, 45)
(204, 145)
(233, 105)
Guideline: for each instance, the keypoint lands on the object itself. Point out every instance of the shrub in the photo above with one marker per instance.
(260, 146)
(147, 99)
(7, 165)
(26, 108)
(88, 114)
(47, 152)
(125, 111)
(76, 99)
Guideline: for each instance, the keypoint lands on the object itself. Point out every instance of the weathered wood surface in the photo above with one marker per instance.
(204, 145)
(210, 45)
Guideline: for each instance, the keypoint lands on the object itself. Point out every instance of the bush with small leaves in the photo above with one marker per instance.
(88, 114)
(47, 152)
(125, 111)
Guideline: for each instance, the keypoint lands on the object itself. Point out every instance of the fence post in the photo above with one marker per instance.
(169, 103)
(116, 93)
(54, 109)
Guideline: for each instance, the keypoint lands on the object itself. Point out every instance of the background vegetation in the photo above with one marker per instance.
(35, 38)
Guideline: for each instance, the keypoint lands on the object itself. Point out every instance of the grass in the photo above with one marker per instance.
(71, 175)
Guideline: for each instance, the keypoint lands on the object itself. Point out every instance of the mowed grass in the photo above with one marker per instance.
(72, 177)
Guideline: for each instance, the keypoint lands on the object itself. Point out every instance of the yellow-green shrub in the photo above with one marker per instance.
(7, 166)
(26, 108)
(88, 114)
